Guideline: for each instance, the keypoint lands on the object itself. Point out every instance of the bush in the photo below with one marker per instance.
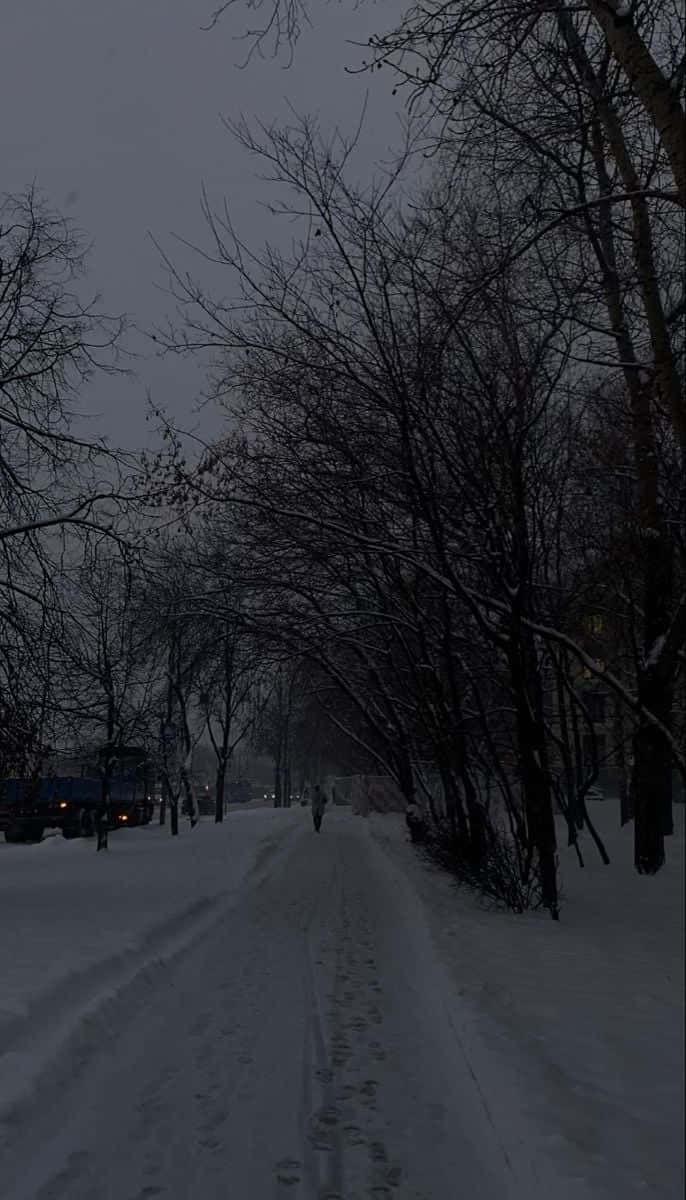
(506, 877)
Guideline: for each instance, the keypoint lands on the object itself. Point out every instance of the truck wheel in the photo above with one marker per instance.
(70, 831)
(33, 833)
(13, 834)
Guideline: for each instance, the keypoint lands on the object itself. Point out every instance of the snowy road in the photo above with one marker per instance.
(299, 1050)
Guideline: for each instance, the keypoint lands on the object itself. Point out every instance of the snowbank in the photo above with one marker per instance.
(584, 1018)
(79, 929)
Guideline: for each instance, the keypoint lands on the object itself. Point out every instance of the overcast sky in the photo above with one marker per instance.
(113, 108)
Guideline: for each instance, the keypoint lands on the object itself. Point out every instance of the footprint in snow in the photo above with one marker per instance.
(287, 1171)
(209, 1142)
(321, 1133)
(328, 1116)
(368, 1088)
(378, 1152)
(354, 1135)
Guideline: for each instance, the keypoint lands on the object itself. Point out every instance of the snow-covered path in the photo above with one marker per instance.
(298, 1051)
(255, 1012)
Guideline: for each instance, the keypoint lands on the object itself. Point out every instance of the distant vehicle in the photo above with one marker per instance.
(263, 793)
(240, 791)
(204, 798)
(28, 807)
(71, 803)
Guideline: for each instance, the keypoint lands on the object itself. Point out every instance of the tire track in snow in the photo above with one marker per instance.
(75, 1043)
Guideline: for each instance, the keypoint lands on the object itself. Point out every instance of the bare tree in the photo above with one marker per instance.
(579, 109)
(51, 345)
(55, 485)
(110, 673)
(431, 39)
(406, 390)
(228, 680)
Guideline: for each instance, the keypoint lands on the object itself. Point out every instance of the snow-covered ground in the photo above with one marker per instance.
(257, 1013)
(77, 928)
(584, 1020)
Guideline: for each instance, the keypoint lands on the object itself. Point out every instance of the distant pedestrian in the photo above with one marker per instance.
(318, 806)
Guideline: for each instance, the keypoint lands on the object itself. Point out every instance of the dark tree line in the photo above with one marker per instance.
(419, 392)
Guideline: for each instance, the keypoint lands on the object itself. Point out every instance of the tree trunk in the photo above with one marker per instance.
(103, 831)
(277, 775)
(626, 810)
(540, 821)
(220, 780)
(574, 815)
(103, 821)
(478, 843)
(406, 777)
(286, 748)
(535, 781)
(654, 91)
(190, 801)
(651, 776)
(651, 783)
(457, 817)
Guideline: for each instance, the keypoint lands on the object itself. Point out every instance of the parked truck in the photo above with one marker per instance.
(72, 803)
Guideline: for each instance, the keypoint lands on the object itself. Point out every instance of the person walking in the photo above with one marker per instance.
(318, 806)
